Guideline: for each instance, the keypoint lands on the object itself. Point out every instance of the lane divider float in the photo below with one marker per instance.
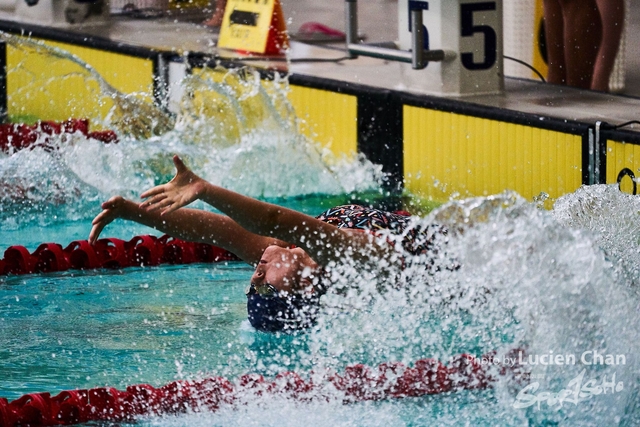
(113, 253)
(357, 383)
(18, 136)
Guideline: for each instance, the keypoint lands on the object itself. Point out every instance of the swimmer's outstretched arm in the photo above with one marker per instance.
(193, 225)
(323, 242)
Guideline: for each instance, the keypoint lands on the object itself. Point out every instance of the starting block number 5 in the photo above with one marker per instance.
(470, 28)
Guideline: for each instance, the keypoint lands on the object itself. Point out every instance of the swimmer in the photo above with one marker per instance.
(292, 252)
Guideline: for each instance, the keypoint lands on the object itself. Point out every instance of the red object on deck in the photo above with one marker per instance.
(318, 28)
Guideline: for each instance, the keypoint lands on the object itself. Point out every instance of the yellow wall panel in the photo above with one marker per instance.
(621, 155)
(538, 62)
(448, 154)
(329, 118)
(53, 88)
(235, 103)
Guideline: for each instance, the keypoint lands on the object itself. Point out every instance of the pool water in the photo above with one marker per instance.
(561, 282)
(154, 325)
(66, 330)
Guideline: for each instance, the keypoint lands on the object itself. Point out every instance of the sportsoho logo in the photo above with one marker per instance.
(577, 390)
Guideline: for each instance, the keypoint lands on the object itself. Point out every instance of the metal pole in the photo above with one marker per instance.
(418, 57)
(351, 21)
(596, 159)
(417, 40)
(591, 166)
(398, 55)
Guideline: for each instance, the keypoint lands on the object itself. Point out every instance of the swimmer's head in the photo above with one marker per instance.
(289, 270)
(275, 311)
(281, 295)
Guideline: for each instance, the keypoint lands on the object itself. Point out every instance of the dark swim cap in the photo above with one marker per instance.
(281, 313)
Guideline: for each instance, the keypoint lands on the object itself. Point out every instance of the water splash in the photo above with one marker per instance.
(232, 128)
(129, 113)
(38, 186)
(613, 216)
(563, 281)
(526, 281)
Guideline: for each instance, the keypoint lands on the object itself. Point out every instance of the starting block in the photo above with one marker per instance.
(472, 29)
(453, 46)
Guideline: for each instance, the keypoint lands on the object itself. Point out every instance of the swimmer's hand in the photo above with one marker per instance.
(183, 189)
(112, 209)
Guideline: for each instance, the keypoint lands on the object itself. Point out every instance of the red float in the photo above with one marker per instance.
(18, 136)
(357, 383)
(109, 253)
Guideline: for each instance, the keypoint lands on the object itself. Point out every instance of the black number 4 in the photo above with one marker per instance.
(469, 29)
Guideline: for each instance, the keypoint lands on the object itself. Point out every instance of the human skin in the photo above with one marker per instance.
(612, 16)
(285, 245)
(573, 32)
(583, 38)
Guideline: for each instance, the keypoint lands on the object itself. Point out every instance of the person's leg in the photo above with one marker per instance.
(612, 16)
(554, 37)
(582, 35)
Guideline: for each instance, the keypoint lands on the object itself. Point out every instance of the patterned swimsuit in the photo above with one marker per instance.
(416, 240)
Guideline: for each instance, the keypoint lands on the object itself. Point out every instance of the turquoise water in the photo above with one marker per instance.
(154, 325)
(66, 330)
(561, 282)
(544, 285)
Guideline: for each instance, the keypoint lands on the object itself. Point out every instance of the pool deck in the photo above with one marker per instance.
(378, 23)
